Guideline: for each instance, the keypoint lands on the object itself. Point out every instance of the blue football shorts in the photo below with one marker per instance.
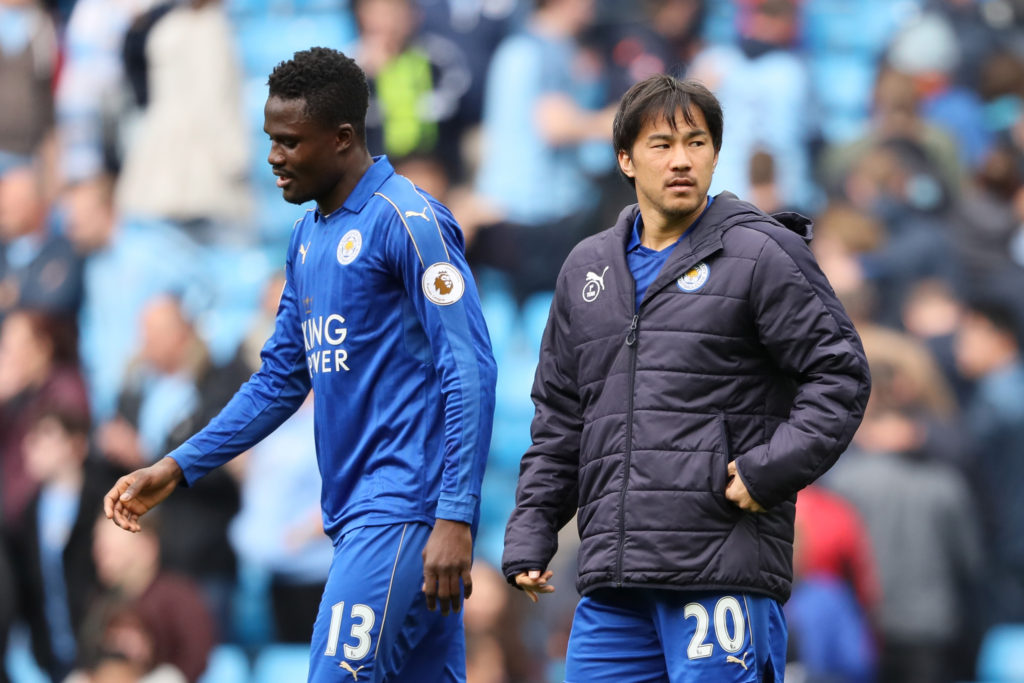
(637, 635)
(373, 623)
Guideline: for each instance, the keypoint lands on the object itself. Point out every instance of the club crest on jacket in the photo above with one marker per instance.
(694, 278)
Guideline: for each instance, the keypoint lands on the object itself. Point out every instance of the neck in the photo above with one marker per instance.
(346, 184)
(660, 229)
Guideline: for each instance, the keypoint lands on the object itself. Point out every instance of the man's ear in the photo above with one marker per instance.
(626, 164)
(345, 137)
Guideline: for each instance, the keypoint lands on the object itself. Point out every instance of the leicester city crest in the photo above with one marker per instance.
(349, 246)
(694, 278)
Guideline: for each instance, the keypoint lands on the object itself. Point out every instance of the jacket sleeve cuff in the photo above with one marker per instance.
(765, 503)
(514, 569)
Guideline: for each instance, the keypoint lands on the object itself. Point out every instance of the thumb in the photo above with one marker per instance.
(534, 574)
(129, 492)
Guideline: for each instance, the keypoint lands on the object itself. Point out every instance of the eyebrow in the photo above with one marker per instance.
(689, 135)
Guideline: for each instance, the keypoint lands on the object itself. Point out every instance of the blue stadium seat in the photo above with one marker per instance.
(1001, 658)
(227, 664)
(281, 662)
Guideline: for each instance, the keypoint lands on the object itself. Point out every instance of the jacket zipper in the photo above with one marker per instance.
(631, 339)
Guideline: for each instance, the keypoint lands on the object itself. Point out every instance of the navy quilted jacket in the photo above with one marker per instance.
(738, 351)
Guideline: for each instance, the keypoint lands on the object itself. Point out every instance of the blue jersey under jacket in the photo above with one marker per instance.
(381, 318)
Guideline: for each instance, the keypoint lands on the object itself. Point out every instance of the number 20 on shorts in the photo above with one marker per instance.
(730, 642)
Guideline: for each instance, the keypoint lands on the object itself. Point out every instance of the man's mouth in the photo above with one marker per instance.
(283, 179)
(681, 182)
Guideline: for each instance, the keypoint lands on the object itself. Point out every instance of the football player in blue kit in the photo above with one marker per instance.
(696, 372)
(380, 317)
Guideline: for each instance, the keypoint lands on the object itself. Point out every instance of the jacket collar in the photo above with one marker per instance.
(698, 244)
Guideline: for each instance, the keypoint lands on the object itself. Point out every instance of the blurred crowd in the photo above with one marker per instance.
(142, 240)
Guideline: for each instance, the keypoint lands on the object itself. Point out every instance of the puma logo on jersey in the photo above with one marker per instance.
(738, 660)
(303, 248)
(422, 214)
(355, 672)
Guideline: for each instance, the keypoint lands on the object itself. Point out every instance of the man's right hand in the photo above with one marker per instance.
(534, 582)
(135, 494)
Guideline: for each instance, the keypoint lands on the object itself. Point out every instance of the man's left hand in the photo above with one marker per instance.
(736, 492)
(447, 559)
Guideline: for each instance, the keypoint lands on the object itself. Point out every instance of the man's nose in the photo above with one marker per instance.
(680, 157)
(275, 157)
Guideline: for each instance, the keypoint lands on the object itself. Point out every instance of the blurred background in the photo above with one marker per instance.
(142, 241)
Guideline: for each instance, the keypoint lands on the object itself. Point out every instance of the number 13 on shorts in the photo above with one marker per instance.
(362, 620)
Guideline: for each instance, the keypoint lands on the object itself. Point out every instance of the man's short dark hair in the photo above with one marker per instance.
(662, 96)
(333, 86)
(999, 309)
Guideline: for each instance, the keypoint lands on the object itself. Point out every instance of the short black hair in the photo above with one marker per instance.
(333, 86)
(664, 95)
(999, 310)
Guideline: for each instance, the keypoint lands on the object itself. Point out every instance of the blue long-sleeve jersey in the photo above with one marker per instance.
(381, 318)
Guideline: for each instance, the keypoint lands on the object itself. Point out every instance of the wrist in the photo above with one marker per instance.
(169, 466)
(442, 521)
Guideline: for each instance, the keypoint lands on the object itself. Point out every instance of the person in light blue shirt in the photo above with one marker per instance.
(380, 317)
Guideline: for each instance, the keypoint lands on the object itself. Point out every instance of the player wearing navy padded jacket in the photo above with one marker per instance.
(381, 319)
(679, 411)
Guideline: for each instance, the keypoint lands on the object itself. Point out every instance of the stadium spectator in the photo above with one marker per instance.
(764, 86)
(192, 110)
(90, 95)
(172, 388)
(540, 108)
(931, 314)
(475, 29)
(897, 184)
(988, 344)
(688, 351)
(59, 573)
(895, 116)
(927, 51)
(28, 64)
(835, 592)
(834, 542)
(381, 319)
(38, 368)
(39, 268)
(146, 615)
(417, 82)
(919, 513)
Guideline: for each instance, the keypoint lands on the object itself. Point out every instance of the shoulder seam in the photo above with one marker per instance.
(437, 224)
(404, 223)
